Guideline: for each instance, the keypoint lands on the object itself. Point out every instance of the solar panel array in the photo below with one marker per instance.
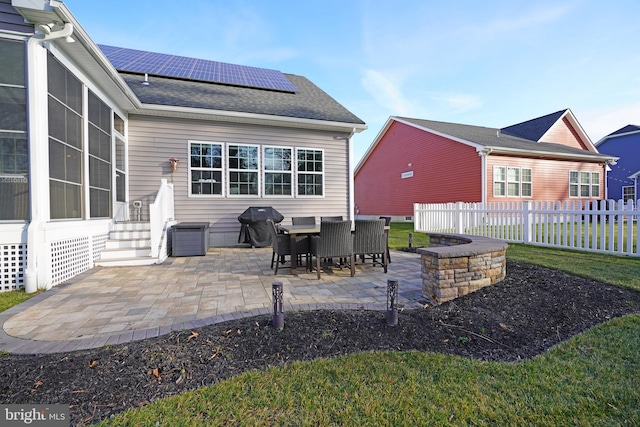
(160, 64)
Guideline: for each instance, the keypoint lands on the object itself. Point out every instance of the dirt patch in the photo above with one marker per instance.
(532, 309)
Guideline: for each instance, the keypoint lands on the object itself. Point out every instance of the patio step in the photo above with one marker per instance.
(129, 244)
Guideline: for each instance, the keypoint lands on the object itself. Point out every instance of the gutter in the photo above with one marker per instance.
(191, 112)
(594, 157)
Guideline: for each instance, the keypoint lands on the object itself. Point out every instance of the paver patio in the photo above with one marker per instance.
(121, 304)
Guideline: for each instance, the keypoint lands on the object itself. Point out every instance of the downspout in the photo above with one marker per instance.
(483, 166)
(36, 224)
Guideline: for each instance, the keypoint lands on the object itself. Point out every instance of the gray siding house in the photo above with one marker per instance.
(94, 148)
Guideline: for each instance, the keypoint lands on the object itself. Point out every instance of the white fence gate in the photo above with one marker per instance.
(607, 226)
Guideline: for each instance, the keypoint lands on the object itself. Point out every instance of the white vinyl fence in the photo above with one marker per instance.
(602, 226)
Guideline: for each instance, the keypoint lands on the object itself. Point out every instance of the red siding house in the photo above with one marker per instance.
(424, 161)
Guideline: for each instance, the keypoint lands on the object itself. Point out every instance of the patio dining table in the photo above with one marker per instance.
(307, 229)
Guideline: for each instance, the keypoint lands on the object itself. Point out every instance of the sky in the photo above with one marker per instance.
(488, 63)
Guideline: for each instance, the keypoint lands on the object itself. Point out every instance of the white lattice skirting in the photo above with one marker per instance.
(69, 257)
(13, 261)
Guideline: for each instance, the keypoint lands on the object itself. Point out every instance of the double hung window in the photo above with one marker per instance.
(310, 172)
(278, 173)
(243, 169)
(512, 182)
(205, 168)
(584, 184)
(228, 170)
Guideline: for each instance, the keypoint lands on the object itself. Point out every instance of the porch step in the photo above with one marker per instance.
(129, 244)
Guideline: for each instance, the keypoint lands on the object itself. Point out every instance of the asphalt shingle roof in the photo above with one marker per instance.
(533, 129)
(626, 129)
(496, 138)
(310, 102)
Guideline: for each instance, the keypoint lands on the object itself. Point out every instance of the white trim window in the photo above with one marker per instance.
(512, 181)
(628, 193)
(584, 184)
(278, 171)
(243, 170)
(205, 168)
(310, 172)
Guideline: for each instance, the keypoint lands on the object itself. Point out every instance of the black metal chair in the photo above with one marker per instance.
(331, 218)
(303, 220)
(370, 240)
(281, 245)
(334, 241)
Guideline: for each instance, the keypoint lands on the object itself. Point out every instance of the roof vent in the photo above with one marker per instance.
(146, 79)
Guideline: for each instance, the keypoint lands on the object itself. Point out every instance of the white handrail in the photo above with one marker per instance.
(160, 212)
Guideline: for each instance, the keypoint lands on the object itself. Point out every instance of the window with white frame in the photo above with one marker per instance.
(499, 181)
(243, 163)
(278, 171)
(205, 168)
(526, 184)
(628, 193)
(584, 184)
(310, 172)
(512, 182)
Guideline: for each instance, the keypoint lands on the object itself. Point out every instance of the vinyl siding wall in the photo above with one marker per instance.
(443, 171)
(550, 178)
(11, 20)
(627, 148)
(563, 133)
(153, 140)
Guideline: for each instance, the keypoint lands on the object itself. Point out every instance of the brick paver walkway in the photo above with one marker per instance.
(121, 304)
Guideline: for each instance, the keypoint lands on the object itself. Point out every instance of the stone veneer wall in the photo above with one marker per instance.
(455, 265)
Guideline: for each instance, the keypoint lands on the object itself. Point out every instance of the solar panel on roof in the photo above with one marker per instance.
(160, 64)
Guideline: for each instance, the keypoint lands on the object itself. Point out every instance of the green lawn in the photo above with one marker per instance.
(591, 379)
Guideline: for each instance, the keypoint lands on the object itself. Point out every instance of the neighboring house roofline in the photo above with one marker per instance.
(511, 145)
(373, 144)
(635, 175)
(247, 118)
(633, 129)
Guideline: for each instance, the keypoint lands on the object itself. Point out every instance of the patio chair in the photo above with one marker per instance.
(281, 245)
(369, 239)
(334, 241)
(331, 218)
(303, 220)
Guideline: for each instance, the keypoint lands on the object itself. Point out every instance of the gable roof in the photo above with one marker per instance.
(534, 129)
(625, 130)
(492, 140)
(310, 108)
(310, 102)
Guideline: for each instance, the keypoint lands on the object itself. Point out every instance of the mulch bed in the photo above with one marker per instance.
(531, 310)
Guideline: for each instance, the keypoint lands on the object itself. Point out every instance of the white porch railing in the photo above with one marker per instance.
(160, 213)
(602, 226)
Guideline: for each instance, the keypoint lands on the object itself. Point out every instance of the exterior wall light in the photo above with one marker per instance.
(174, 164)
